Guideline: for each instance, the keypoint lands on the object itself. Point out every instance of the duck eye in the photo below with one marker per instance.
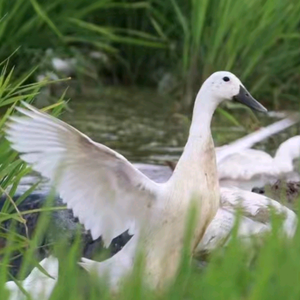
(226, 78)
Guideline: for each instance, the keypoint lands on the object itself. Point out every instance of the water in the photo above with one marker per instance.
(147, 127)
(139, 124)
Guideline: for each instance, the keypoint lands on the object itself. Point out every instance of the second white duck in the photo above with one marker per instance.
(251, 168)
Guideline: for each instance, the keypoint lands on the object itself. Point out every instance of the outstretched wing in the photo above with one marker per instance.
(107, 193)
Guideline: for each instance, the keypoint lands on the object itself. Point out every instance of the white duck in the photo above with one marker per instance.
(255, 168)
(38, 285)
(118, 196)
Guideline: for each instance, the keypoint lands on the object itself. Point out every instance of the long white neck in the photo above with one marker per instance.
(195, 178)
(286, 153)
(204, 108)
(198, 156)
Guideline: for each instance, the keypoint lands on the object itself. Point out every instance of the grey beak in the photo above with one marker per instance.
(245, 97)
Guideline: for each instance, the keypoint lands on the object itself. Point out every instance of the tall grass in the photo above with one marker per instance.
(12, 169)
(258, 40)
(36, 25)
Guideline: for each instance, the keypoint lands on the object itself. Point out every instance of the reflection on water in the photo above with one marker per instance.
(146, 127)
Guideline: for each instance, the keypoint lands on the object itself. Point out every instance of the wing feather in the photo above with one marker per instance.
(106, 192)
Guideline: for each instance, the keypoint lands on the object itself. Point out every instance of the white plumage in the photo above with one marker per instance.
(109, 195)
(103, 189)
(255, 218)
(255, 168)
(38, 285)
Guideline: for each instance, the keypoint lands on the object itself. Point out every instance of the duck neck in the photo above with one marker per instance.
(286, 153)
(199, 153)
(204, 109)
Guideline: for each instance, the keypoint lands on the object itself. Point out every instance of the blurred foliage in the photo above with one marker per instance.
(258, 40)
(265, 270)
(178, 42)
(65, 25)
(12, 169)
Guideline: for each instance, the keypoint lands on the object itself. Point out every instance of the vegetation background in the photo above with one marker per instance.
(168, 47)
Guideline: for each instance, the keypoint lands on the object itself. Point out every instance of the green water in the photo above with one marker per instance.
(147, 127)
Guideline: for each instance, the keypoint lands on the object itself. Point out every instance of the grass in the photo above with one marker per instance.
(232, 273)
(67, 27)
(257, 40)
(12, 169)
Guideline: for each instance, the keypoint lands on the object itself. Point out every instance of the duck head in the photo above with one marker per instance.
(224, 86)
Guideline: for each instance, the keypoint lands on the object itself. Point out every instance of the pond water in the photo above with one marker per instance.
(147, 127)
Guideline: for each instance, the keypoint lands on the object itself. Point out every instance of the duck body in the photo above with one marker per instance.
(204, 181)
(165, 255)
(118, 197)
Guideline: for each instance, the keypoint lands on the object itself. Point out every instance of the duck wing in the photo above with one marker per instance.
(104, 190)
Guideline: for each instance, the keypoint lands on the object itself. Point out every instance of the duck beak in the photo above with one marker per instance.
(245, 97)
